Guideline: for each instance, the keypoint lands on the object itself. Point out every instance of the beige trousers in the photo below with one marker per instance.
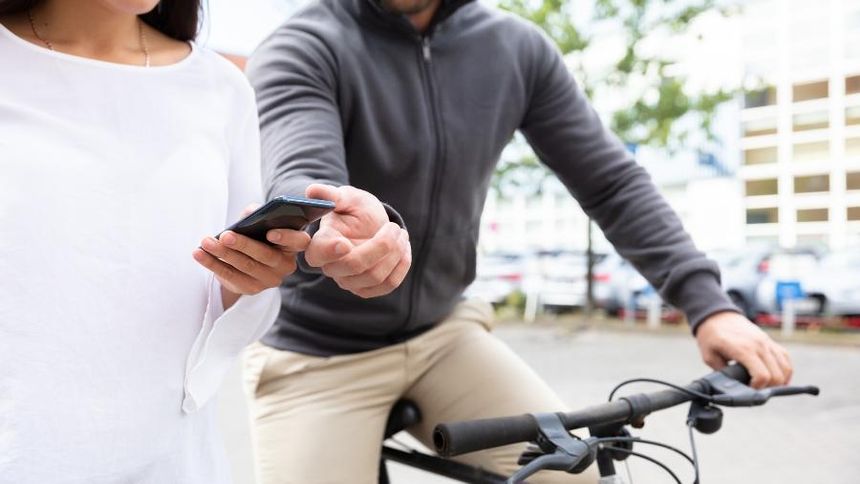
(321, 420)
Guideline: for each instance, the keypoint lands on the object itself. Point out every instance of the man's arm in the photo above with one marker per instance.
(362, 245)
(618, 194)
(294, 76)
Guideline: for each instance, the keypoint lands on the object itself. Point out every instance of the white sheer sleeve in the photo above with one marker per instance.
(224, 334)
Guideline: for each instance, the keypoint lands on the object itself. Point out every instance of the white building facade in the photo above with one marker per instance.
(710, 205)
(801, 136)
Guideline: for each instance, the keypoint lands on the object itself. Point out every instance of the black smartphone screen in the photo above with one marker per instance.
(281, 213)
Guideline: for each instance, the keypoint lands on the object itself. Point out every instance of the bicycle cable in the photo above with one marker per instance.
(692, 460)
(695, 455)
(692, 393)
(637, 440)
(649, 459)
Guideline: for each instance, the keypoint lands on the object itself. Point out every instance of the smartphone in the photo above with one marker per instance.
(281, 213)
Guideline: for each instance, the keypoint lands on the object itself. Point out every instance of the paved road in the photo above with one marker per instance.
(797, 440)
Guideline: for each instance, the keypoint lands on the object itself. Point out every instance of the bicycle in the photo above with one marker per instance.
(553, 447)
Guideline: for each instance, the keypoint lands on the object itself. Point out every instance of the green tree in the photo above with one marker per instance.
(651, 116)
(649, 120)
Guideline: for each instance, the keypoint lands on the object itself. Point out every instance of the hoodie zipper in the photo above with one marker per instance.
(425, 49)
(439, 161)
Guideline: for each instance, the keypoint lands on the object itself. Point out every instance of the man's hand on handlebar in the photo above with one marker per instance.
(728, 336)
(727, 387)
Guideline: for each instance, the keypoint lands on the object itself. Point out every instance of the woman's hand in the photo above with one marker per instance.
(246, 266)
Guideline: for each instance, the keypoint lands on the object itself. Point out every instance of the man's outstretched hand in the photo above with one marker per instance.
(728, 336)
(356, 245)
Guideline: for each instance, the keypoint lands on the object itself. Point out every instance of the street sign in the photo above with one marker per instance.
(788, 290)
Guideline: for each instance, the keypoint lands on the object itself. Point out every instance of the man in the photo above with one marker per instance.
(412, 101)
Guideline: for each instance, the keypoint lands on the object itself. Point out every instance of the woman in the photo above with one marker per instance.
(121, 145)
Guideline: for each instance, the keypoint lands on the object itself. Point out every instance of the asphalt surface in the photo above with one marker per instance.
(790, 440)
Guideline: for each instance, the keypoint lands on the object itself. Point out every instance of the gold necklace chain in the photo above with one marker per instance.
(141, 37)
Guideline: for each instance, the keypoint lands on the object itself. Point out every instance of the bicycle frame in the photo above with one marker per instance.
(435, 465)
(470, 474)
(606, 466)
(556, 449)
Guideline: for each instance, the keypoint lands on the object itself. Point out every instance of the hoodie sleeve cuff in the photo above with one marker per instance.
(394, 216)
(700, 296)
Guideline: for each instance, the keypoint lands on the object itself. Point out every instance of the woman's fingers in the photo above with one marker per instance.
(289, 239)
(263, 253)
(265, 265)
(230, 277)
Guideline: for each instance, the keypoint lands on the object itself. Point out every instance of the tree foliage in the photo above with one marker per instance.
(651, 119)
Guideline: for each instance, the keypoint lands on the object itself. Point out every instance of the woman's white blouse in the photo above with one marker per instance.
(113, 340)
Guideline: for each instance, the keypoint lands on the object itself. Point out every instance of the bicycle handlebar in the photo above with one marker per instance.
(455, 438)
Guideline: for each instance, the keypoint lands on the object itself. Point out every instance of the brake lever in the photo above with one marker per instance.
(555, 449)
(791, 390)
(729, 392)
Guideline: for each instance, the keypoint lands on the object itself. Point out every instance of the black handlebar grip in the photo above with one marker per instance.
(455, 438)
(736, 371)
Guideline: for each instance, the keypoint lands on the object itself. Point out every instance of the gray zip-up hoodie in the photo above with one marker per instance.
(351, 94)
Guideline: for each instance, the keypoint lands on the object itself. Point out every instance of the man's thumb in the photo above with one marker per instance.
(323, 192)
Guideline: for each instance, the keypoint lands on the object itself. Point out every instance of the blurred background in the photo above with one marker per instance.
(746, 114)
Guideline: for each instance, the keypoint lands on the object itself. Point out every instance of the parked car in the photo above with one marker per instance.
(749, 277)
(558, 279)
(836, 283)
(616, 283)
(497, 275)
(788, 267)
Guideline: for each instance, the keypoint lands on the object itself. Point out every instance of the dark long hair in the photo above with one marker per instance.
(179, 19)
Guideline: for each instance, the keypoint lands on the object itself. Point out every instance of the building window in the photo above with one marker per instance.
(852, 180)
(853, 213)
(762, 215)
(852, 85)
(807, 121)
(763, 240)
(813, 240)
(759, 156)
(818, 151)
(809, 90)
(852, 44)
(761, 187)
(852, 147)
(762, 97)
(852, 115)
(761, 127)
(811, 184)
(812, 215)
